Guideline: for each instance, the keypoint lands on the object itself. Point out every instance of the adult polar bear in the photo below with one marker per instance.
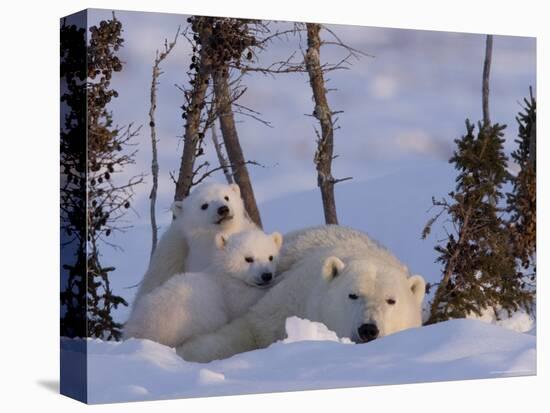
(333, 275)
(188, 242)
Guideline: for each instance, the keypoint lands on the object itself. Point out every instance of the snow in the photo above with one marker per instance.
(518, 321)
(300, 329)
(311, 357)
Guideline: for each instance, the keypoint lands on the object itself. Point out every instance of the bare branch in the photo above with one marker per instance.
(338, 42)
(154, 163)
(336, 181)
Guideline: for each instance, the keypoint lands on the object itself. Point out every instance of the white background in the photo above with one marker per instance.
(29, 207)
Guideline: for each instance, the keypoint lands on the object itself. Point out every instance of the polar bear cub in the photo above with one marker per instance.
(194, 303)
(188, 243)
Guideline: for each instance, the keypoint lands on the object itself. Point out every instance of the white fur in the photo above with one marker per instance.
(188, 242)
(324, 266)
(189, 304)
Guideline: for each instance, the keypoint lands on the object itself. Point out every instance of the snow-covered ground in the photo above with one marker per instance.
(518, 321)
(310, 358)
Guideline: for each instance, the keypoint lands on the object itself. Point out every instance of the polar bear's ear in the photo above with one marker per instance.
(418, 287)
(220, 240)
(235, 188)
(177, 208)
(277, 238)
(332, 267)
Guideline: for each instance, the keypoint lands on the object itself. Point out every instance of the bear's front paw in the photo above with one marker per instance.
(191, 352)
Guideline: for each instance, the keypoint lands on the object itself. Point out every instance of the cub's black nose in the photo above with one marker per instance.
(223, 210)
(267, 276)
(368, 332)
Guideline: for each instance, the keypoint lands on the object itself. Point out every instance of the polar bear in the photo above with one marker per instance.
(343, 279)
(188, 242)
(193, 303)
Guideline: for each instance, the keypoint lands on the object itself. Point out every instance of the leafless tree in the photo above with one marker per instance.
(215, 42)
(225, 50)
(201, 65)
(153, 106)
(232, 144)
(325, 140)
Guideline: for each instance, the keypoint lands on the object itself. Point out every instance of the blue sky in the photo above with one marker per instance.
(403, 108)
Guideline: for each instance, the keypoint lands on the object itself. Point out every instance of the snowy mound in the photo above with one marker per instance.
(519, 321)
(312, 357)
(299, 329)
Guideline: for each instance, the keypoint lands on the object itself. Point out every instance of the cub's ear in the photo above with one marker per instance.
(177, 208)
(332, 267)
(277, 238)
(220, 240)
(418, 287)
(235, 188)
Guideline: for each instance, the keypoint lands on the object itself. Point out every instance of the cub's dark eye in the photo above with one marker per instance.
(390, 301)
(226, 198)
(353, 296)
(271, 258)
(204, 206)
(249, 259)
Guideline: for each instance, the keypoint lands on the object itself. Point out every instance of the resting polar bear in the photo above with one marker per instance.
(188, 242)
(194, 303)
(334, 275)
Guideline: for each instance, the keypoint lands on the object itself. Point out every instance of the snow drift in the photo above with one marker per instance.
(312, 357)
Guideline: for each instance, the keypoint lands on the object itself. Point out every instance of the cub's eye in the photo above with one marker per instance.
(226, 198)
(353, 296)
(271, 258)
(249, 259)
(204, 206)
(390, 301)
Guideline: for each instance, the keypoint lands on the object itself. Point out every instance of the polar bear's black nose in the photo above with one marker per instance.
(267, 276)
(368, 332)
(223, 210)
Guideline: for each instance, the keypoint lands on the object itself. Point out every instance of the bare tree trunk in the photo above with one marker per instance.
(232, 144)
(485, 84)
(192, 127)
(325, 144)
(154, 163)
(221, 158)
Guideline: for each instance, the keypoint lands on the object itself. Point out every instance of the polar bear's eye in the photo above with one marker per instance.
(271, 258)
(249, 259)
(353, 296)
(226, 198)
(390, 301)
(204, 206)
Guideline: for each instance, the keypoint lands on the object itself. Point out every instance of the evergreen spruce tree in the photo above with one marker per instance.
(522, 201)
(478, 266)
(108, 199)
